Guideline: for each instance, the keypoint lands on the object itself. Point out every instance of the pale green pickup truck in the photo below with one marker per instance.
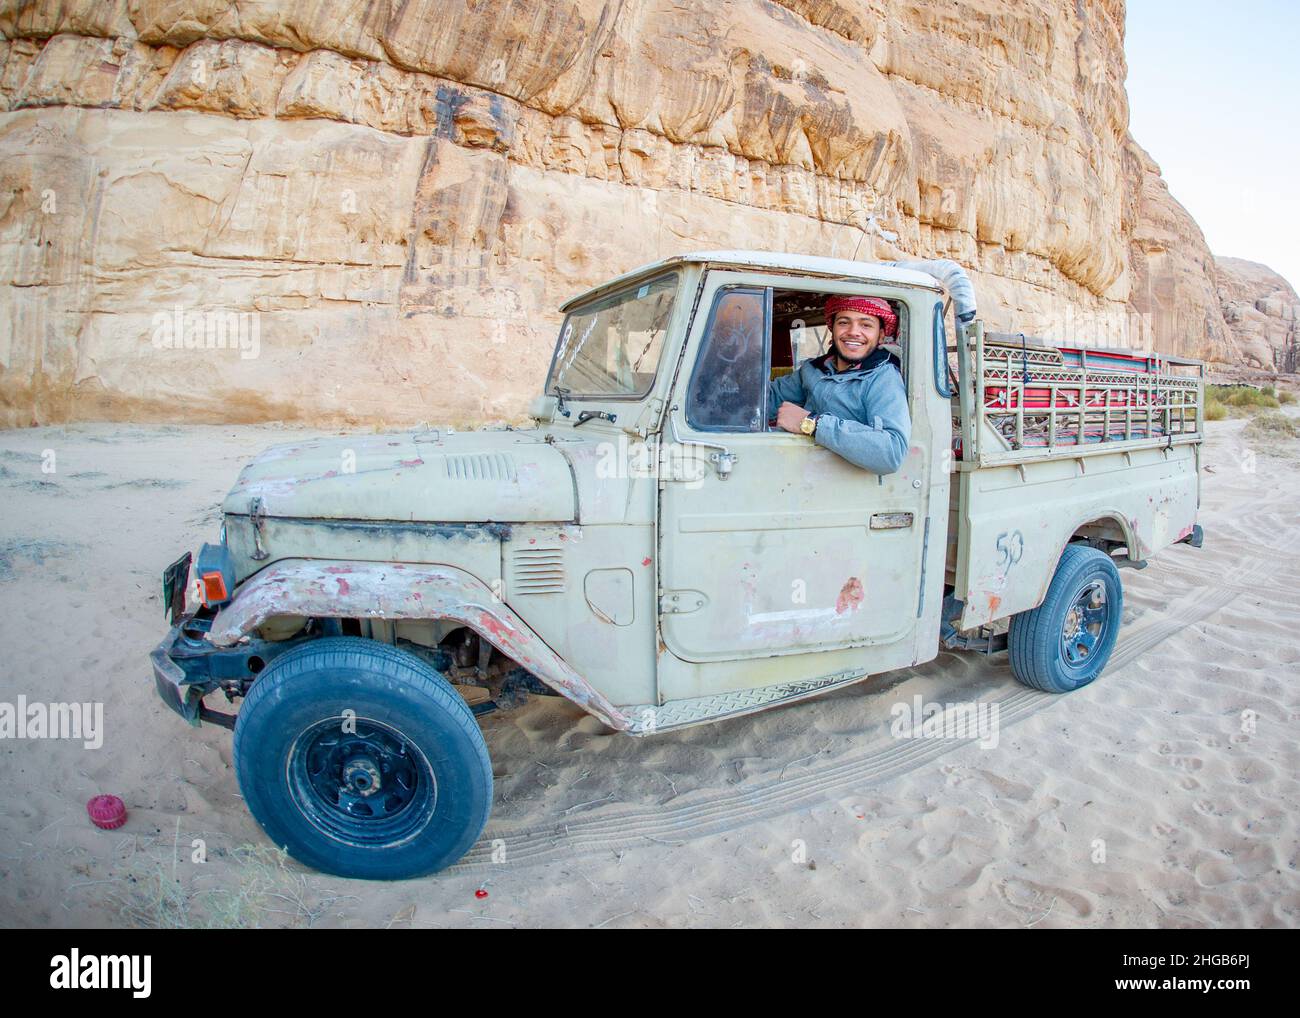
(654, 550)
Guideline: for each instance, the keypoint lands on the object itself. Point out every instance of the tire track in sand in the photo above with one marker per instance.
(712, 813)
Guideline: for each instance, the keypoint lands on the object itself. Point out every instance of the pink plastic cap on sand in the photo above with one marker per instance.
(107, 812)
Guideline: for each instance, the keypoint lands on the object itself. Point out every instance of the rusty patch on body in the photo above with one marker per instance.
(851, 595)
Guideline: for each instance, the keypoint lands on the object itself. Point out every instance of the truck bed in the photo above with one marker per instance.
(1053, 444)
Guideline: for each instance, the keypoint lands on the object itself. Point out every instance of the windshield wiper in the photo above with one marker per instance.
(560, 393)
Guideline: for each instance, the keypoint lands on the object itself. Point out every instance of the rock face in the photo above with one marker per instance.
(365, 211)
(1174, 294)
(1261, 309)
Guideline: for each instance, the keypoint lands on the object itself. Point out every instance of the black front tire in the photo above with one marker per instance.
(1065, 642)
(361, 760)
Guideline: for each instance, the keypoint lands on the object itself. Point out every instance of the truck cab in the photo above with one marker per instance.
(779, 565)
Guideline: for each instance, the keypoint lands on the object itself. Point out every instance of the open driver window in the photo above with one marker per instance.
(755, 334)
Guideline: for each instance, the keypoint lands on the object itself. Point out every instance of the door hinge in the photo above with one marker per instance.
(681, 602)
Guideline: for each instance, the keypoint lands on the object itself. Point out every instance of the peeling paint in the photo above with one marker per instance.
(851, 595)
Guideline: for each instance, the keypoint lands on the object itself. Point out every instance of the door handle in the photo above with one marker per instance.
(723, 459)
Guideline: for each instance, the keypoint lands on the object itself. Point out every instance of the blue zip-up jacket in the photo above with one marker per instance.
(866, 420)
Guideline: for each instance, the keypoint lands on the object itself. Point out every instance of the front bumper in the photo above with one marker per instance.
(174, 686)
(187, 666)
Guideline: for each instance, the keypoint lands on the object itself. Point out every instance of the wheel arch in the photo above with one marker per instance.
(1106, 531)
(1103, 530)
(317, 588)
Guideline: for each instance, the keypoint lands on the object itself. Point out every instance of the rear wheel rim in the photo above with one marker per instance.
(1086, 624)
(361, 782)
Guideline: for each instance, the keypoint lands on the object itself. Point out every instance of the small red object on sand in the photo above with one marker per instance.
(480, 893)
(107, 812)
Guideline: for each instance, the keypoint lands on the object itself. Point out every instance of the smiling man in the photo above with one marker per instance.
(851, 399)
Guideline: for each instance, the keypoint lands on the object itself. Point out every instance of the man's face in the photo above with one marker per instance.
(855, 335)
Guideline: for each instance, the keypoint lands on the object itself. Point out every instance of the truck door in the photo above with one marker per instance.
(775, 545)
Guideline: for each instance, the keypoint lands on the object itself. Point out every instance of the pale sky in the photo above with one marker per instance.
(1213, 91)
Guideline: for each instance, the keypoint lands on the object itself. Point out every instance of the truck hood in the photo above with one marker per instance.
(431, 476)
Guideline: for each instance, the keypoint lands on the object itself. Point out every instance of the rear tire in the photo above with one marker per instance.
(399, 787)
(1065, 642)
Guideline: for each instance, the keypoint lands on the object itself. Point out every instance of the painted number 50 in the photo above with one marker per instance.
(1011, 547)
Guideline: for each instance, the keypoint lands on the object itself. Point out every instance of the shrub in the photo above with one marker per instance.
(1247, 398)
(1214, 410)
(1240, 400)
(1270, 425)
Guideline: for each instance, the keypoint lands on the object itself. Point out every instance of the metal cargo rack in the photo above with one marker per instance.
(1030, 402)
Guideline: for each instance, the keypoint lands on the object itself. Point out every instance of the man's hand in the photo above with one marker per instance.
(790, 416)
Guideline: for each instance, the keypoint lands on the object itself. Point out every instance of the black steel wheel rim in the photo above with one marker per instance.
(1085, 625)
(361, 782)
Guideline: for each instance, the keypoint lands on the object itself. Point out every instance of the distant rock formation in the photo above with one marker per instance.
(1260, 308)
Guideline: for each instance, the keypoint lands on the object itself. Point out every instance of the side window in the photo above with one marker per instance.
(728, 389)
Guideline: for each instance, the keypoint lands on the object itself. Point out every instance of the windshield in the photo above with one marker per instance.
(611, 346)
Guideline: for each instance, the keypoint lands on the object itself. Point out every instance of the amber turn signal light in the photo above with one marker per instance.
(214, 588)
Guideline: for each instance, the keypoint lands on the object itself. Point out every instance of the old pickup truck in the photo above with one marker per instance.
(656, 551)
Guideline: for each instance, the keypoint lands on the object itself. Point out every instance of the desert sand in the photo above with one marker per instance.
(1163, 795)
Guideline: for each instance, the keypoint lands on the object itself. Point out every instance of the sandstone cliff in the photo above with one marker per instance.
(381, 204)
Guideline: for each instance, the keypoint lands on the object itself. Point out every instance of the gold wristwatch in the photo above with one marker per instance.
(809, 425)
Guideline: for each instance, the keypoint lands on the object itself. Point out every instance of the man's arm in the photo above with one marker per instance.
(786, 389)
(881, 445)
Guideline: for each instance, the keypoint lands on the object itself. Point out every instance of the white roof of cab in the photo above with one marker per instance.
(811, 264)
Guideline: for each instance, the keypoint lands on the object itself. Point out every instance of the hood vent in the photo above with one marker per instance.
(535, 570)
(483, 466)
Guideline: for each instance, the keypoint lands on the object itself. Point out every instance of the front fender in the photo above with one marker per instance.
(383, 590)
